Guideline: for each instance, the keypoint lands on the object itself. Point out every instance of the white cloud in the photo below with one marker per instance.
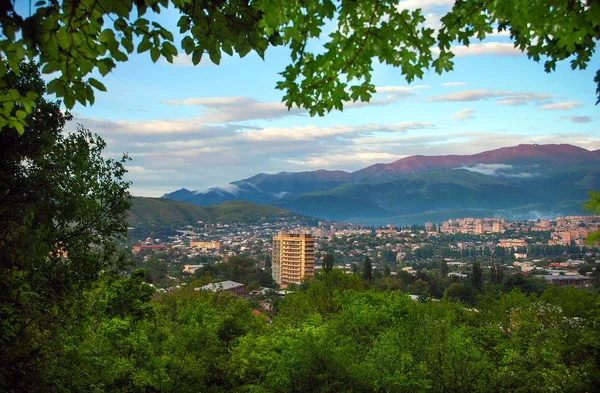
(484, 48)
(561, 106)
(229, 188)
(496, 33)
(425, 5)
(578, 119)
(234, 109)
(403, 91)
(487, 169)
(467, 95)
(352, 160)
(242, 108)
(521, 98)
(452, 84)
(497, 170)
(464, 114)
(310, 133)
(506, 97)
(194, 125)
(386, 95)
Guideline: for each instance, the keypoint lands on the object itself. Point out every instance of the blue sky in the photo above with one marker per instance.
(203, 126)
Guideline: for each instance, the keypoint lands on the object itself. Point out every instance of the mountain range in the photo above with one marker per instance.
(519, 182)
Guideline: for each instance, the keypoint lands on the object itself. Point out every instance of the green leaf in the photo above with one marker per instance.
(97, 84)
(127, 43)
(154, 54)
(188, 44)
(119, 56)
(106, 36)
(227, 49)
(144, 45)
(20, 128)
(197, 57)
(215, 56)
(69, 101)
(169, 48)
(51, 67)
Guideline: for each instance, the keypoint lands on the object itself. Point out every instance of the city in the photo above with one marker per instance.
(554, 250)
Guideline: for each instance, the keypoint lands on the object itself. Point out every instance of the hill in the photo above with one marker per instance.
(521, 182)
(165, 212)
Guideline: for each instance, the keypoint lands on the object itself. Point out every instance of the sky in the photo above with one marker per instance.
(204, 126)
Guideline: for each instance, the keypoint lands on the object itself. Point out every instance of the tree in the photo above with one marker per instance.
(477, 276)
(443, 268)
(593, 206)
(79, 38)
(367, 273)
(61, 206)
(328, 262)
(497, 274)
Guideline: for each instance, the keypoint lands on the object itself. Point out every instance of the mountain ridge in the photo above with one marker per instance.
(502, 179)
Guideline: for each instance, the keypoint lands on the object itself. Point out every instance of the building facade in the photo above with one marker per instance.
(293, 257)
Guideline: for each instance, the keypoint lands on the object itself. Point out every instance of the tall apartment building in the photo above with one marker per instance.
(293, 257)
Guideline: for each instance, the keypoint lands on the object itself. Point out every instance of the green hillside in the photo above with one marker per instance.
(167, 212)
(439, 195)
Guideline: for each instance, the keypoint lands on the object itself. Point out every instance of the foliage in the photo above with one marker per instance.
(238, 269)
(328, 262)
(444, 268)
(61, 206)
(477, 276)
(77, 39)
(166, 212)
(497, 274)
(367, 272)
(332, 336)
(593, 206)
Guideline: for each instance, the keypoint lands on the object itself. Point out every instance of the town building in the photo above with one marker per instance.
(206, 245)
(293, 257)
(507, 243)
(153, 248)
(230, 286)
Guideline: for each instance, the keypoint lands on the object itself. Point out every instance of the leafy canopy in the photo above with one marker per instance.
(62, 204)
(75, 39)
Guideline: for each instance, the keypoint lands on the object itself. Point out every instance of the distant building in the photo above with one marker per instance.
(206, 245)
(293, 257)
(577, 281)
(153, 248)
(191, 269)
(230, 286)
(545, 223)
(497, 227)
(507, 243)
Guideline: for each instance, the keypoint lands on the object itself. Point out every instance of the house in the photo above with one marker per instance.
(576, 281)
(229, 286)
(191, 269)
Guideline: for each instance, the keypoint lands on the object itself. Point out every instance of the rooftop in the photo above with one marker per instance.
(220, 286)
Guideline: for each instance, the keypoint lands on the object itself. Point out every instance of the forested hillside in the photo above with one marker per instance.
(154, 211)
